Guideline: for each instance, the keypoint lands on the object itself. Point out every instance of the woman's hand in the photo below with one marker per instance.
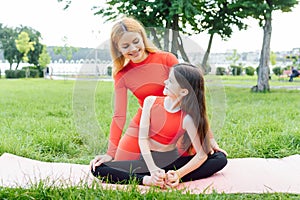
(98, 160)
(172, 179)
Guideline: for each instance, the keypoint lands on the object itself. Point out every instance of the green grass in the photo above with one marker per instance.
(57, 121)
(41, 192)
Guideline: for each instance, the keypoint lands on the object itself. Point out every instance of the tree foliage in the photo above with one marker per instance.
(24, 45)
(219, 17)
(161, 19)
(7, 43)
(44, 58)
(35, 37)
(66, 51)
(165, 18)
(234, 57)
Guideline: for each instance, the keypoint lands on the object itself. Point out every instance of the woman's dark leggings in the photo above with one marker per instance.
(124, 171)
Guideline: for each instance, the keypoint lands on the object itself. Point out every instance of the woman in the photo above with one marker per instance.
(163, 122)
(138, 66)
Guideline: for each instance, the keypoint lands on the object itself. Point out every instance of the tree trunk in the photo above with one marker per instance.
(155, 38)
(176, 45)
(181, 49)
(205, 67)
(166, 37)
(17, 65)
(175, 33)
(263, 68)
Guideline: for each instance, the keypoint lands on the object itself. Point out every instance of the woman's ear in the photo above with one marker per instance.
(184, 92)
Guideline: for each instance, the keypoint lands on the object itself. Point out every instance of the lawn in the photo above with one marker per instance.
(68, 121)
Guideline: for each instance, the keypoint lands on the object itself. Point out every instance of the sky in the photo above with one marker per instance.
(84, 29)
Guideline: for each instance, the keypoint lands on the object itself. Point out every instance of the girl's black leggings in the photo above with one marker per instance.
(123, 172)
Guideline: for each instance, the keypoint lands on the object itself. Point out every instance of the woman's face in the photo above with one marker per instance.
(132, 46)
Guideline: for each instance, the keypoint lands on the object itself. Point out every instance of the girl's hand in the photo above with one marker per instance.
(215, 147)
(157, 178)
(172, 179)
(98, 160)
(218, 149)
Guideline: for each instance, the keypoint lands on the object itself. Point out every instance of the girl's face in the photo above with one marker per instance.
(132, 46)
(172, 87)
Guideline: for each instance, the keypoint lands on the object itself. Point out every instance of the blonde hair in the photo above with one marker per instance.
(126, 24)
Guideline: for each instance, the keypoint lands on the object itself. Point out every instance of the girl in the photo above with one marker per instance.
(164, 120)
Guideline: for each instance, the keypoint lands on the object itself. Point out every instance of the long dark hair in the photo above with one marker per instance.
(191, 78)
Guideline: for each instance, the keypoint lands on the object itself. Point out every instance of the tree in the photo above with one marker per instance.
(35, 37)
(24, 45)
(66, 51)
(7, 41)
(44, 58)
(8, 37)
(218, 17)
(234, 57)
(262, 11)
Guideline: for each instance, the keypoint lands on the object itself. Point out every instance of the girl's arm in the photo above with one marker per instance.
(144, 134)
(200, 156)
(214, 144)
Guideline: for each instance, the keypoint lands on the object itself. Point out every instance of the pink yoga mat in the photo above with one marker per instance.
(241, 175)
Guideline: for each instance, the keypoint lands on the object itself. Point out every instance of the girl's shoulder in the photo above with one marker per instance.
(150, 99)
(148, 102)
(187, 120)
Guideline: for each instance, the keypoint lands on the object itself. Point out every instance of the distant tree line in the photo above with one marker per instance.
(81, 53)
(22, 44)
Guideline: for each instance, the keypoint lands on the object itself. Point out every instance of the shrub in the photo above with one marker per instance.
(15, 73)
(236, 70)
(249, 70)
(34, 72)
(277, 71)
(221, 71)
(9, 73)
(109, 70)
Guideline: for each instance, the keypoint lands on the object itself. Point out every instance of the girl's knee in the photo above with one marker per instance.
(221, 159)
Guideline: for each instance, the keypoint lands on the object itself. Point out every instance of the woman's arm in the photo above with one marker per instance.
(119, 117)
